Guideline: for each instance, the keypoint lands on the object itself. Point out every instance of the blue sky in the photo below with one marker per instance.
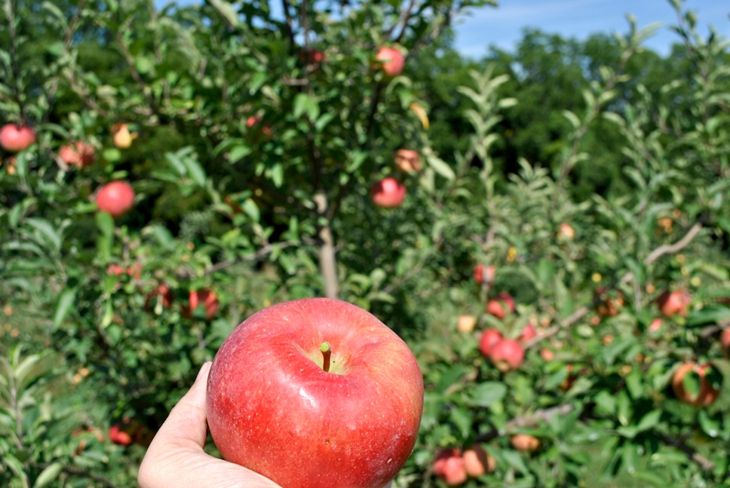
(579, 18)
(503, 26)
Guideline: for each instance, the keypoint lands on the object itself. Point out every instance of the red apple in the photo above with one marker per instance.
(161, 294)
(528, 333)
(725, 338)
(441, 457)
(507, 355)
(388, 193)
(115, 198)
(501, 306)
(204, 297)
(655, 325)
(608, 302)
(489, 339)
(674, 303)
(392, 60)
(482, 273)
(454, 471)
(525, 442)
(408, 161)
(79, 154)
(312, 56)
(115, 270)
(252, 121)
(450, 466)
(547, 354)
(315, 393)
(15, 138)
(566, 232)
(706, 394)
(135, 271)
(118, 436)
(477, 462)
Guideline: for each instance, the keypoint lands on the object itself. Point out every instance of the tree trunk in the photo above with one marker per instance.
(327, 259)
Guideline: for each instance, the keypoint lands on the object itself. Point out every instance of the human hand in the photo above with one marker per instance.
(176, 457)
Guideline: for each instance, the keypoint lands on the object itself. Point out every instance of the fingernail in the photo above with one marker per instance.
(204, 370)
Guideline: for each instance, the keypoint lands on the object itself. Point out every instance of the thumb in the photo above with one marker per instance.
(186, 423)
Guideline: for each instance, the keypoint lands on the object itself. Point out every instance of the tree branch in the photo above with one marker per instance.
(650, 259)
(673, 248)
(289, 26)
(405, 16)
(527, 420)
(690, 451)
(76, 471)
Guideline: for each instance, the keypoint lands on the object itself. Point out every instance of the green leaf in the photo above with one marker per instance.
(710, 426)
(226, 10)
(305, 103)
(238, 152)
(52, 238)
(251, 209)
(440, 166)
(64, 305)
(485, 394)
(649, 420)
(48, 475)
(462, 419)
(195, 171)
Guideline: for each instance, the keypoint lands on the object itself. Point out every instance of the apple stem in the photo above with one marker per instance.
(326, 353)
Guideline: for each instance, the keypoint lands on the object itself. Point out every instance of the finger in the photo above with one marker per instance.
(199, 470)
(186, 422)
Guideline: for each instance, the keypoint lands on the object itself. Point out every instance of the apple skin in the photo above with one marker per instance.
(10, 164)
(489, 339)
(725, 339)
(15, 138)
(525, 442)
(608, 302)
(454, 471)
(482, 272)
(160, 294)
(656, 325)
(115, 270)
(441, 456)
(478, 462)
(273, 408)
(79, 154)
(122, 137)
(118, 436)
(205, 297)
(408, 161)
(566, 232)
(501, 306)
(312, 56)
(391, 59)
(674, 303)
(547, 354)
(466, 323)
(115, 198)
(388, 193)
(707, 394)
(528, 333)
(507, 355)
(450, 466)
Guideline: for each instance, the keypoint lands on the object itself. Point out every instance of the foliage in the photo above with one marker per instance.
(252, 166)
